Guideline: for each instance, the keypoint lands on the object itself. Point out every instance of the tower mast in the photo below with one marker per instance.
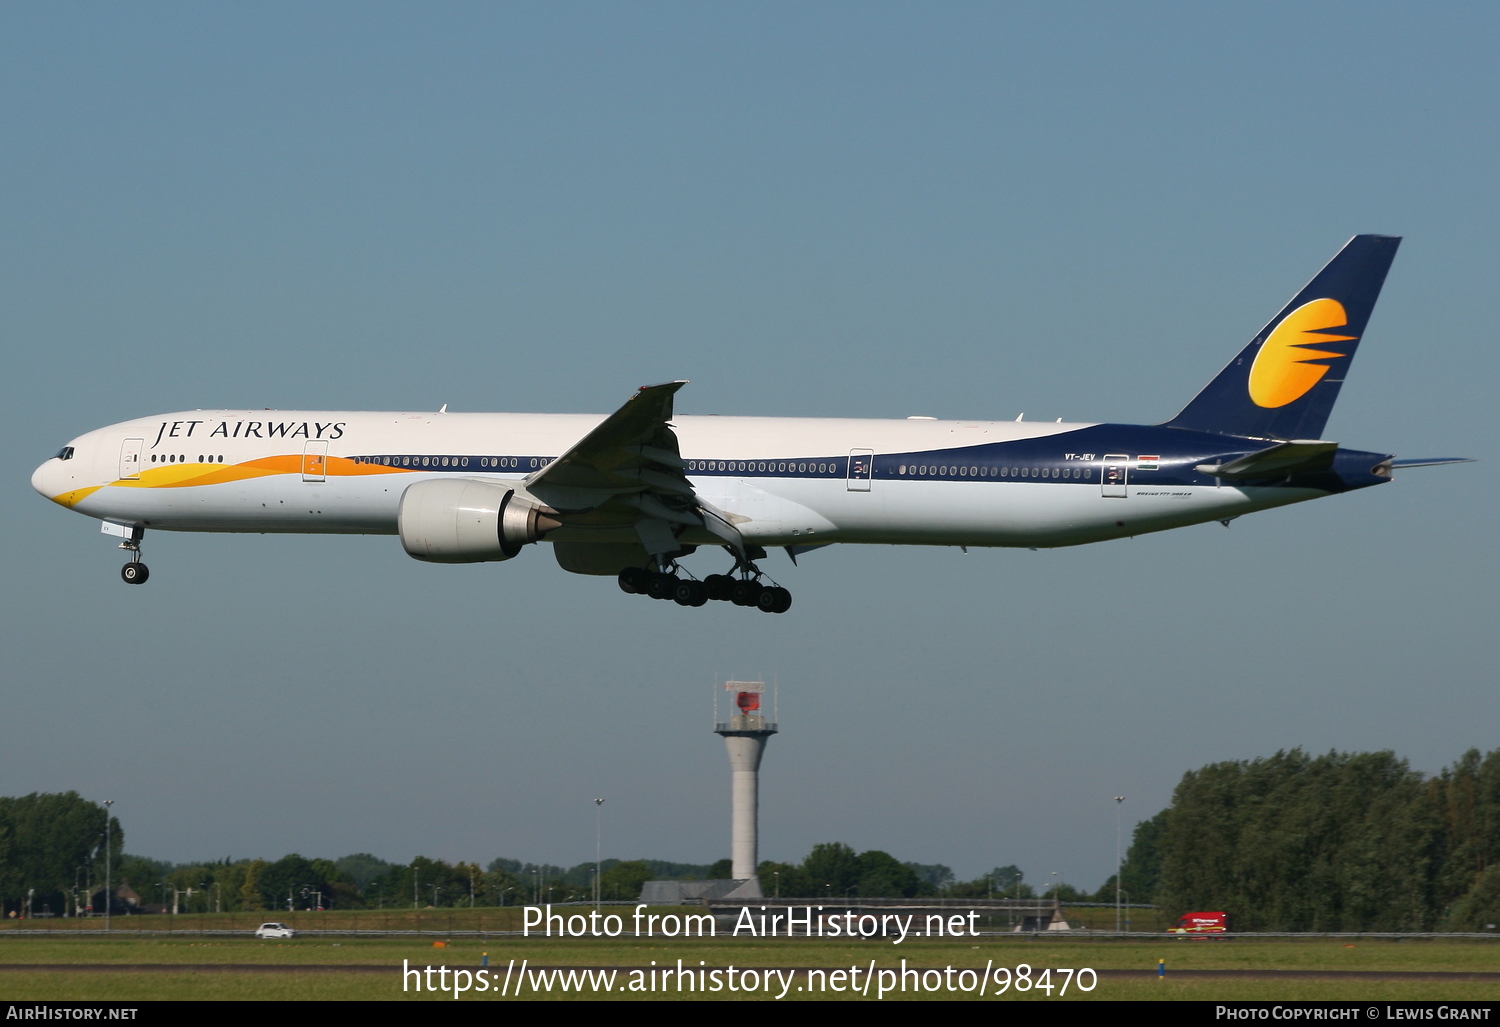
(745, 734)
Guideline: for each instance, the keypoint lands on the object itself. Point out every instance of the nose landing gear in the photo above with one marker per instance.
(134, 572)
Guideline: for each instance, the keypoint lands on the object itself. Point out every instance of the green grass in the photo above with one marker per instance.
(1180, 954)
(481, 919)
(387, 952)
(294, 986)
(506, 918)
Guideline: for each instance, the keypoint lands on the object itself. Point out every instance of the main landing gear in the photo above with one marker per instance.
(741, 586)
(134, 572)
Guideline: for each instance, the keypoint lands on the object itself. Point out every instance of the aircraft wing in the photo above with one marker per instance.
(1295, 457)
(633, 450)
(631, 459)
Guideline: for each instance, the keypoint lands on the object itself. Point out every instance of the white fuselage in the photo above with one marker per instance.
(783, 481)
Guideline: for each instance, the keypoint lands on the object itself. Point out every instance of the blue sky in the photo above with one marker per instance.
(961, 210)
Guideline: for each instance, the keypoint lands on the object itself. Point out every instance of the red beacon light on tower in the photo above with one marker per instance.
(748, 702)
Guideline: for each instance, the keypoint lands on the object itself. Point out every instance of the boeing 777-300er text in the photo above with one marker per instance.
(630, 494)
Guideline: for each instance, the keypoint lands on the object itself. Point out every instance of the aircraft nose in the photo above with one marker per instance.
(42, 476)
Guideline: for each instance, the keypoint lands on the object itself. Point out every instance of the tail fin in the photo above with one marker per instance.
(1283, 385)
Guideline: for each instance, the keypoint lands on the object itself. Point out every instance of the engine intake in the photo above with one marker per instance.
(464, 520)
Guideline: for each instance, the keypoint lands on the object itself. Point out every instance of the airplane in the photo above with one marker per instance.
(631, 494)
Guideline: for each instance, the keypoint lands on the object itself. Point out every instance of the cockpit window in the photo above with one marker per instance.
(66, 453)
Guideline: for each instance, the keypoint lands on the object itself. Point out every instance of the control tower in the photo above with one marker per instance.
(745, 735)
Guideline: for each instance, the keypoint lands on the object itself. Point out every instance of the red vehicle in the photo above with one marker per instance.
(1201, 923)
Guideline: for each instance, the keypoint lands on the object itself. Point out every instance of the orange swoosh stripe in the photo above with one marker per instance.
(188, 475)
(76, 496)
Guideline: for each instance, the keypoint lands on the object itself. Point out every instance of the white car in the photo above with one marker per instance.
(274, 931)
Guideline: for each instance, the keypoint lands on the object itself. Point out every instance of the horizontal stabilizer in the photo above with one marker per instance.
(1295, 457)
(1432, 461)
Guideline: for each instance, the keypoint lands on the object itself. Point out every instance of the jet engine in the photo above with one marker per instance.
(464, 520)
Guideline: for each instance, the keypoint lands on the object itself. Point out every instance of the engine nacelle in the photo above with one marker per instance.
(463, 520)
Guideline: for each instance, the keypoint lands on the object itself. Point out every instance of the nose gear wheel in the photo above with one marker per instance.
(134, 572)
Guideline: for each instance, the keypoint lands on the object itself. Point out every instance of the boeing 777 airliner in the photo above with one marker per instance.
(632, 493)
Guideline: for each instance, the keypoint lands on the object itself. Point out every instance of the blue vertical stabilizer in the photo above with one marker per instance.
(1284, 383)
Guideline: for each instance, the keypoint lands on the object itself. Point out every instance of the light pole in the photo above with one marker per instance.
(598, 850)
(108, 886)
(1119, 804)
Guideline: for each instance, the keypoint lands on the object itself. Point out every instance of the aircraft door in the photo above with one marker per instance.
(130, 459)
(861, 468)
(315, 462)
(1116, 475)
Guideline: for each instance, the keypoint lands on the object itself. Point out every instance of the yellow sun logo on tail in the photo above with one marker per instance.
(1284, 370)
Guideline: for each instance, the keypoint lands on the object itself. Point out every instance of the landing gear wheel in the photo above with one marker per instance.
(774, 600)
(631, 580)
(771, 599)
(690, 593)
(745, 592)
(661, 586)
(134, 573)
(719, 586)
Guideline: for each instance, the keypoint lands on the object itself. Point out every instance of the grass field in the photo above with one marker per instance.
(369, 968)
(508, 918)
(84, 986)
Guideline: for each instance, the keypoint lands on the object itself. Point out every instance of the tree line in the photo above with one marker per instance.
(1337, 842)
(53, 848)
